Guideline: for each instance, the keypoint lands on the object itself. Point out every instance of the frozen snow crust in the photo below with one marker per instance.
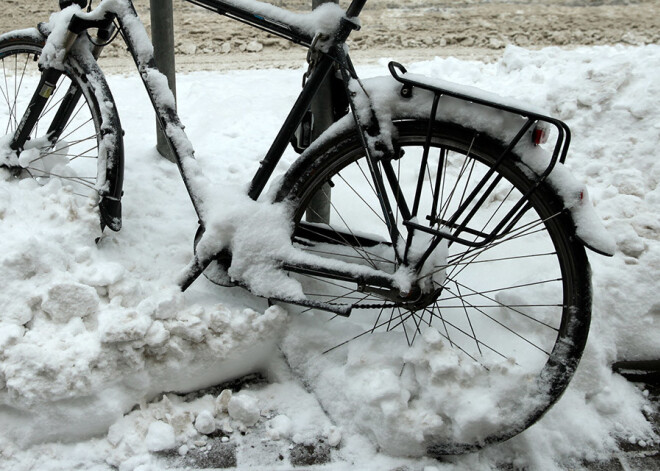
(88, 331)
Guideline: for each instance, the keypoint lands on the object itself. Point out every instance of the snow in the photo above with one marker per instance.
(244, 408)
(205, 422)
(323, 20)
(88, 331)
(160, 436)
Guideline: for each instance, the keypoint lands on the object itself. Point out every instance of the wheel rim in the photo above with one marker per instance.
(72, 160)
(501, 307)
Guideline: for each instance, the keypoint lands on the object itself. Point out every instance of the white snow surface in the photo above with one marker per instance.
(87, 331)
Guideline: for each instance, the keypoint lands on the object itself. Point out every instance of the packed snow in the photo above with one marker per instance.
(97, 346)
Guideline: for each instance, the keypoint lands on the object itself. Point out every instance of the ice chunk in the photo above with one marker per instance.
(244, 408)
(160, 437)
(205, 422)
(65, 301)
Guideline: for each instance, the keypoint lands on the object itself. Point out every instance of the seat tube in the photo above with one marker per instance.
(288, 128)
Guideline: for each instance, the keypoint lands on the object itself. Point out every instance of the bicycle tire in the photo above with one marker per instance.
(88, 155)
(486, 337)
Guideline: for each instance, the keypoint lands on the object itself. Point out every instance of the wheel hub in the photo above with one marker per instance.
(414, 300)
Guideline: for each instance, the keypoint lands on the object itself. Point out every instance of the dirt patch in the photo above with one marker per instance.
(422, 28)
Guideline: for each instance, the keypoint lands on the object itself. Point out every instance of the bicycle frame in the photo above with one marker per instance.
(329, 49)
(333, 54)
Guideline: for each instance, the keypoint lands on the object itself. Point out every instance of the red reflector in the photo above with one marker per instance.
(539, 135)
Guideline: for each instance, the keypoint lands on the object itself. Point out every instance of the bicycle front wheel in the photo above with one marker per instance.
(496, 330)
(85, 153)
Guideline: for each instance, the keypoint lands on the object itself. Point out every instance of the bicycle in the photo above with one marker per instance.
(445, 222)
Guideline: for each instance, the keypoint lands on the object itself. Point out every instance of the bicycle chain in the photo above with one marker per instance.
(374, 306)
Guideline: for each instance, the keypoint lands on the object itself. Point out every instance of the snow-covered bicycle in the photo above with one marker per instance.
(428, 216)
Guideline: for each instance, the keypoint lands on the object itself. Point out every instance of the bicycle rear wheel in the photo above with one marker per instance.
(83, 157)
(496, 331)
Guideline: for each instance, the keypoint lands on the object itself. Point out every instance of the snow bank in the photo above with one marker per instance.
(83, 339)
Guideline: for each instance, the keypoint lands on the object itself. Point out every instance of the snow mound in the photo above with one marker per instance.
(83, 339)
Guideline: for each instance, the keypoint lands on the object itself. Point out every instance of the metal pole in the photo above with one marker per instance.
(162, 36)
(319, 205)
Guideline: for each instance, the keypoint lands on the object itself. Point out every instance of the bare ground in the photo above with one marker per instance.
(415, 28)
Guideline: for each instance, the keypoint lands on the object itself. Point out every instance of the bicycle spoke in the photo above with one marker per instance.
(454, 344)
(417, 320)
(17, 88)
(56, 153)
(499, 304)
(51, 107)
(509, 329)
(79, 155)
(467, 315)
(72, 118)
(362, 199)
(446, 205)
(402, 323)
(377, 319)
(76, 129)
(92, 137)
(367, 179)
(86, 181)
(360, 335)
(442, 319)
(474, 252)
(359, 251)
(458, 347)
(460, 306)
(467, 182)
(5, 94)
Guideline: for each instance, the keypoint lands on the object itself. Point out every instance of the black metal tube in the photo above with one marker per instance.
(64, 112)
(252, 18)
(162, 37)
(296, 114)
(41, 95)
(355, 8)
(323, 117)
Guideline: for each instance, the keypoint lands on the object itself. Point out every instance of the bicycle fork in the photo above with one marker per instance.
(47, 85)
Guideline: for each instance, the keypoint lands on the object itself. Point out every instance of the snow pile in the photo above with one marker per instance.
(82, 339)
(88, 331)
(180, 425)
(607, 97)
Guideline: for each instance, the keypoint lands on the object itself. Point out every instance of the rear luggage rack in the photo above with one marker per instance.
(535, 125)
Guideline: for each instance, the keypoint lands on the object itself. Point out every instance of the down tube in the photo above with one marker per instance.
(164, 105)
